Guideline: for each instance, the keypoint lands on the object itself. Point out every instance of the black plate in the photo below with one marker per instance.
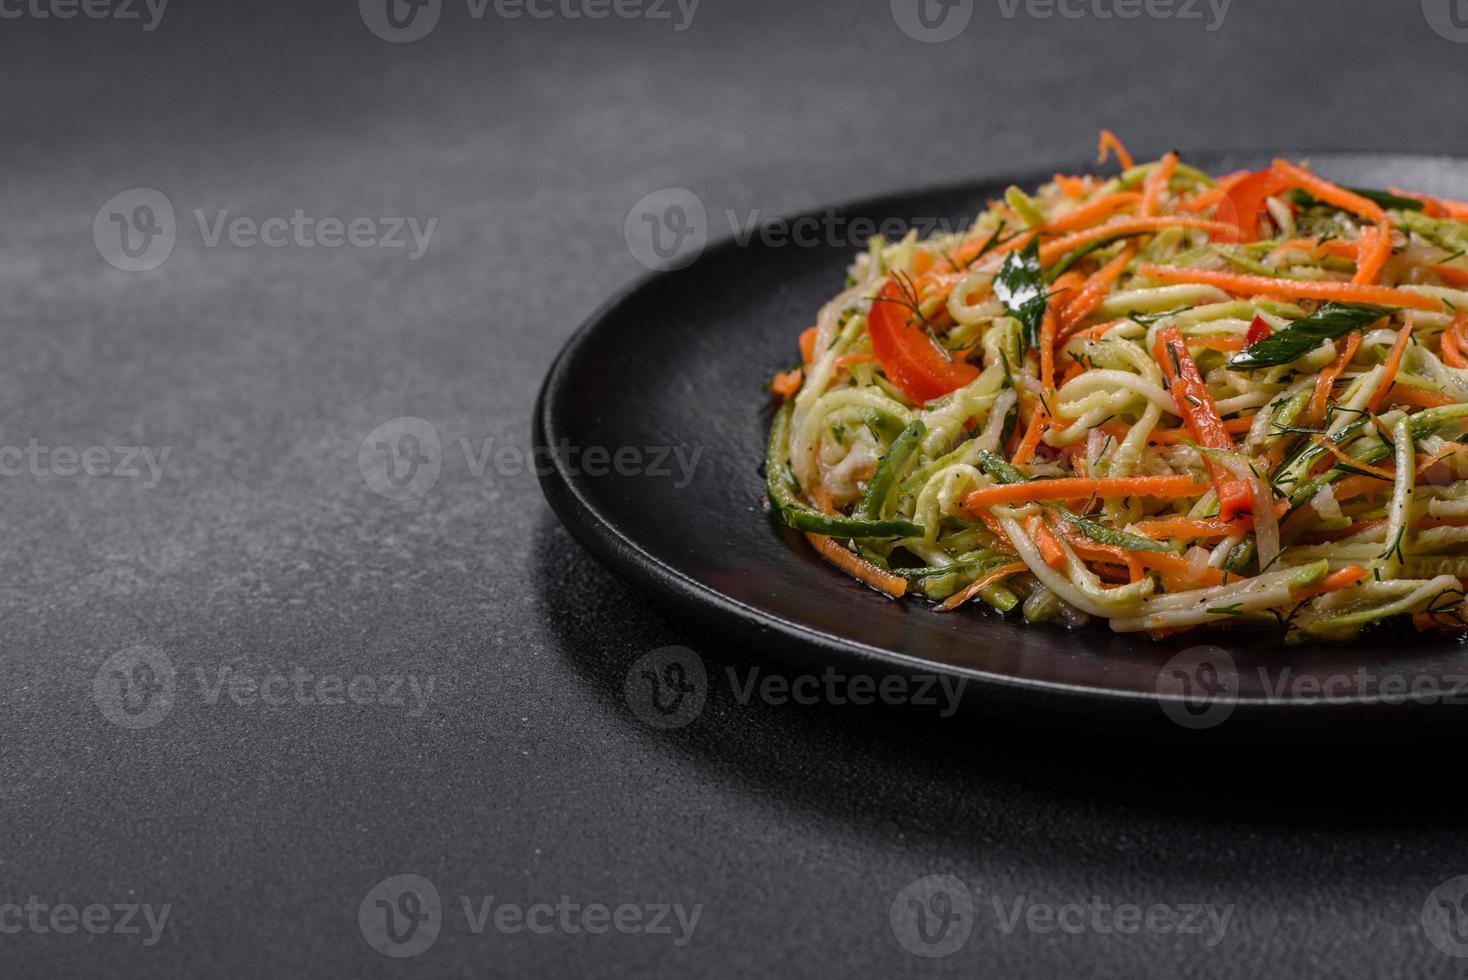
(679, 360)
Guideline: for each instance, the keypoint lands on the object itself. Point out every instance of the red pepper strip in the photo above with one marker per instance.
(1258, 330)
(1201, 417)
(906, 352)
(1245, 199)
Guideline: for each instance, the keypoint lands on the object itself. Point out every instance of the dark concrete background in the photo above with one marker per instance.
(263, 550)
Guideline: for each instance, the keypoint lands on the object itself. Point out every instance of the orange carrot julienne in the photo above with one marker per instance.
(1375, 248)
(1201, 201)
(1039, 422)
(1190, 528)
(1167, 564)
(1393, 364)
(1452, 341)
(808, 344)
(1334, 582)
(1004, 571)
(1325, 383)
(1050, 551)
(1200, 414)
(1110, 144)
(1094, 293)
(858, 568)
(786, 384)
(1082, 488)
(1094, 211)
(1240, 284)
(1156, 183)
(1054, 251)
(1072, 187)
(1437, 207)
(1332, 194)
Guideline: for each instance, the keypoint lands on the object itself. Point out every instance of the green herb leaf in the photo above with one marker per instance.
(1331, 322)
(1020, 286)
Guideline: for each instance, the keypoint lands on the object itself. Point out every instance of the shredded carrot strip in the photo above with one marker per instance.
(1072, 187)
(808, 345)
(1094, 292)
(1438, 207)
(1451, 275)
(1239, 284)
(1088, 214)
(1354, 463)
(1373, 256)
(1003, 571)
(1110, 144)
(858, 568)
(1156, 184)
(786, 384)
(1420, 397)
(1167, 564)
(1345, 578)
(1082, 488)
(1453, 340)
(1190, 528)
(1201, 201)
(1050, 551)
(1376, 248)
(1039, 422)
(1393, 364)
(1056, 250)
(1325, 384)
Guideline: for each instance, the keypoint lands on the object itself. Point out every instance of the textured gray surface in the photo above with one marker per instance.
(262, 549)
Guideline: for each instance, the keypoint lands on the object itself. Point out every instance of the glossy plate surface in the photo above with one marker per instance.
(679, 361)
